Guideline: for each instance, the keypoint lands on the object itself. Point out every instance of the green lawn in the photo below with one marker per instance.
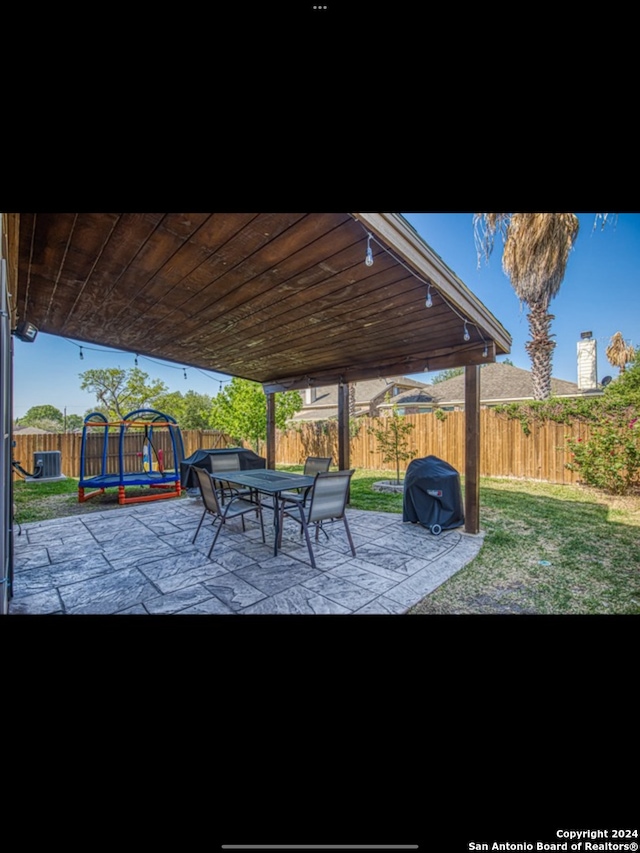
(591, 542)
(548, 549)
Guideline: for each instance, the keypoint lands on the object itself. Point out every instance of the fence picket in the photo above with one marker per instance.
(505, 449)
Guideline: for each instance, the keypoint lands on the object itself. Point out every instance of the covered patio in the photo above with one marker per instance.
(290, 300)
(138, 560)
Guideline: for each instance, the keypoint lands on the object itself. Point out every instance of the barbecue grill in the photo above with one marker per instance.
(433, 495)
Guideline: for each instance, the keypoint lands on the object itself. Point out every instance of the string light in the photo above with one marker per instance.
(136, 360)
(111, 351)
(485, 351)
(428, 302)
(369, 258)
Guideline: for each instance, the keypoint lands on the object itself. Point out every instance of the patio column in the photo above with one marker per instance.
(343, 426)
(472, 449)
(271, 429)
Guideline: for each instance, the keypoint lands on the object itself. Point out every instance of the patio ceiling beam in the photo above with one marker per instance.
(442, 359)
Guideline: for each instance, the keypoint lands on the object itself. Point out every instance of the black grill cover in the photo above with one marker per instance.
(432, 494)
(202, 459)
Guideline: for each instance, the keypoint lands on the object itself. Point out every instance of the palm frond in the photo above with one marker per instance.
(536, 253)
(485, 227)
(619, 353)
(603, 218)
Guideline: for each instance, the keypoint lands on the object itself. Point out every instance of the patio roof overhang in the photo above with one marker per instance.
(284, 299)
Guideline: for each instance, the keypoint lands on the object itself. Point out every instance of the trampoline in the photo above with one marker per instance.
(144, 449)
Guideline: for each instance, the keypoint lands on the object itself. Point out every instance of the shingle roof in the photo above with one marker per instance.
(497, 382)
(28, 430)
(326, 402)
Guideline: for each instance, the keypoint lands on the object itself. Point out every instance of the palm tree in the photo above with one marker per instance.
(619, 353)
(535, 255)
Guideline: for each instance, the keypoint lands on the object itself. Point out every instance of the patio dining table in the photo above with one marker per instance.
(270, 482)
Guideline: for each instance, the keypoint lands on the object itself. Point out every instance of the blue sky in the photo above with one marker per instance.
(600, 293)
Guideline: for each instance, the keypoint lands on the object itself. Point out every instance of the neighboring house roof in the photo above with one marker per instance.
(371, 391)
(30, 431)
(499, 383)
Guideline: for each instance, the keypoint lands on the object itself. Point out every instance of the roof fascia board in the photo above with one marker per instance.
(447, 357)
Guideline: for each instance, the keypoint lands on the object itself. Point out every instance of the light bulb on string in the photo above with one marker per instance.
(185, 373)
(467, 336)
(136, 360)
(81, 354)
(428, 301)
(369, 257)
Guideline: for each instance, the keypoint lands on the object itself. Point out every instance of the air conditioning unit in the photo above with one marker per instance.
(46, 466)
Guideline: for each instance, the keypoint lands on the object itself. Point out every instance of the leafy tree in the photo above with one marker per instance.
(447, 374)
(42, 413)
(74, 422)
(535, 255)
(457, 371)
(625, 388)
(191, 410)
(119, 392)
(240, 410)
(393, 439)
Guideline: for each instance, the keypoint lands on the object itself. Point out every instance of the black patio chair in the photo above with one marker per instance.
(227, 462)
(313, 465)
(328, 503)
(235, 506)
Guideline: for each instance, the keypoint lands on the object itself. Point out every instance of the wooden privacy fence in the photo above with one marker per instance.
(69, 445)
(505, 450)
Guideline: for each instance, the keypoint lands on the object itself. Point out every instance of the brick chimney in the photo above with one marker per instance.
(587, 363)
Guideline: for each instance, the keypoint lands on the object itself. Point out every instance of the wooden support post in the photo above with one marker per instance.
(344, 442)
(472, 449)
(271, 430)
(343, 427)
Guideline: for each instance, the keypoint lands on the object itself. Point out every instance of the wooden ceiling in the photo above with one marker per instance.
(284, 299)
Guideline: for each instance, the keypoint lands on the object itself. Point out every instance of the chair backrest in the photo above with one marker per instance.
(314, 464)
(329, 496)
(224, 462)
(209, 497)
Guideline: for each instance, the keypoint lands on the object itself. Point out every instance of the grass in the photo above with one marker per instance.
(59, 498)
(590, 540)
(548, 549)
(35, 501)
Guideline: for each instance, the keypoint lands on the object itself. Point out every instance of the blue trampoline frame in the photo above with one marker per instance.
(167, 482)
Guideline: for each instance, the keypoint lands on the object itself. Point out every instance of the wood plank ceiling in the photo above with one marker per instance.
(284, 299)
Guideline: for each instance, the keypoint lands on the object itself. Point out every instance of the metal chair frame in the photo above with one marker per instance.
(313, 465)
(235, 507)
(329, 495)
(227, 462)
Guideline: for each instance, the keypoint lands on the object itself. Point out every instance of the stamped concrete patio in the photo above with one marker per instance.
(139, 559)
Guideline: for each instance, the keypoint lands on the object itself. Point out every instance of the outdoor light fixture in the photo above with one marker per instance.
(81, 355)
(428, 302)
(26, 332)
(467, 336)
(485, 351)
(369, 258)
